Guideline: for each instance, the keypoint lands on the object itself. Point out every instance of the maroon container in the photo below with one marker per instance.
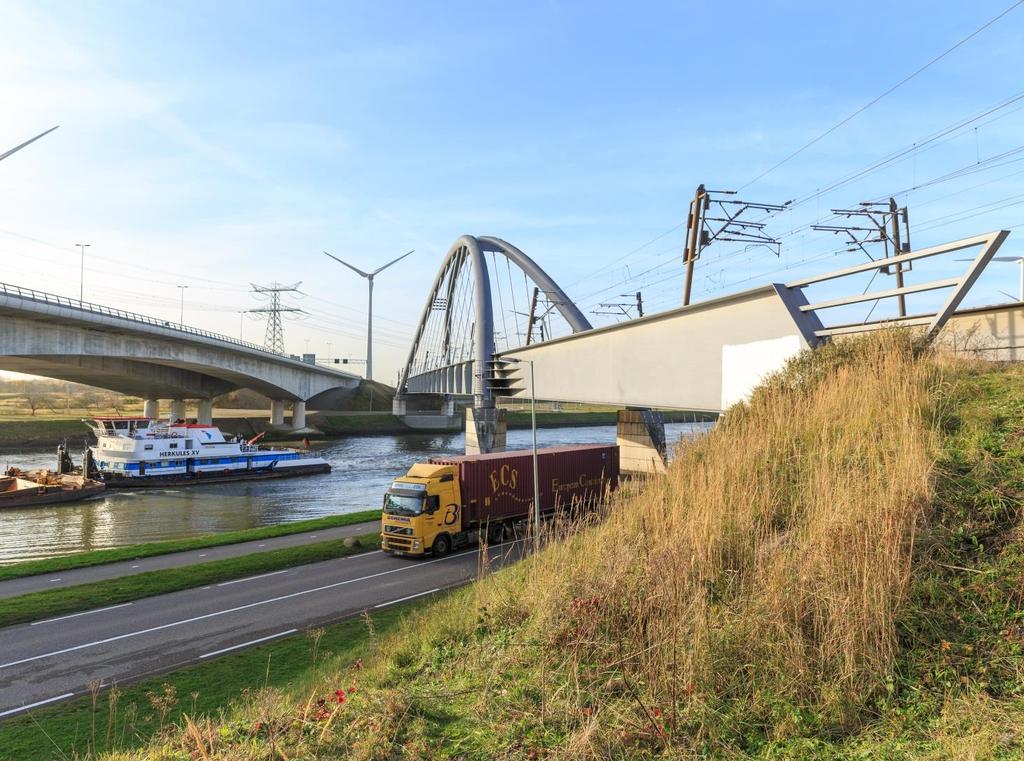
(499, 486)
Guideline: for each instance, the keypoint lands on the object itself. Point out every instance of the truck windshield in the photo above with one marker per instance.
(400, 504)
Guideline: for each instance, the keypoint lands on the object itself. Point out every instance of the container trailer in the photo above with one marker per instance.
(447, 502)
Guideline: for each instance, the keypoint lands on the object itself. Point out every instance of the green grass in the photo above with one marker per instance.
(56, 602)
(127, 718)
(136, 551)
(29, 433)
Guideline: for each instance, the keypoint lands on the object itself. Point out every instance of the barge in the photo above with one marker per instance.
(133, 452)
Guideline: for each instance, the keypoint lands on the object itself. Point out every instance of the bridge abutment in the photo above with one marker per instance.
(151, 408)
(276, 412)
(398, 406)
(298, 414)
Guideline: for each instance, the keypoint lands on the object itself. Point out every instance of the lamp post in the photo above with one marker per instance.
(536, 474)
(81, 281)
(181, 314)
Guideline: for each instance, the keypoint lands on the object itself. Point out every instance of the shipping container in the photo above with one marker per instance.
(499, 486)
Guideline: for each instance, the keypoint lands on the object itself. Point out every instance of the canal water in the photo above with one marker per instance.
(362, 468)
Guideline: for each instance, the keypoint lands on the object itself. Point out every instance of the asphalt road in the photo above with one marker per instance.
(26, 584)
(55, 659)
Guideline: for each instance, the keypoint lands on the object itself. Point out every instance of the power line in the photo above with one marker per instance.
(875, 100)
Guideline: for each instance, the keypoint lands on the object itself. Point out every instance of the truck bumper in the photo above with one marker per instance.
(401, 545)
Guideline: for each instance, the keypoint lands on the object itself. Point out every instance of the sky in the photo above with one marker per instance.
(216, 145)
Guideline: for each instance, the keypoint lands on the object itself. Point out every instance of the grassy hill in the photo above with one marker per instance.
(833, 572)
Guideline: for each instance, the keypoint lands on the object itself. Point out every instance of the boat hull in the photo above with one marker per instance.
(196, 479)
(55, 496)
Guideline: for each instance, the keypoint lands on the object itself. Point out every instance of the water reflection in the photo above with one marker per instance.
(363, 466)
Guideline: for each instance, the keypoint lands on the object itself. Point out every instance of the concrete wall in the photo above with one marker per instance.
(995, 333)
(675, 359)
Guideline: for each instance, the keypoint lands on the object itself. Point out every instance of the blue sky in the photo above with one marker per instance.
(218, 144)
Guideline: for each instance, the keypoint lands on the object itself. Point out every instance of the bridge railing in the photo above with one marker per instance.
(86, 306)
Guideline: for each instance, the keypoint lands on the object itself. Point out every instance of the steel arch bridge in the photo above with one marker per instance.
(475, 309)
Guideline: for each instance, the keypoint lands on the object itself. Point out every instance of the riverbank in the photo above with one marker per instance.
(151, 549)
(42, 432)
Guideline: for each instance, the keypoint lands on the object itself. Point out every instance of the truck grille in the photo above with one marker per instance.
(404, 530)
(395, 543)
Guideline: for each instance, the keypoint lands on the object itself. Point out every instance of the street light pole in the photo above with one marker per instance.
(81, 281)
(181, 315)
(536, 473)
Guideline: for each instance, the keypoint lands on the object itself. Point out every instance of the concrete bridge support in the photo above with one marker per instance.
(151, 408)
(177, 409)
(640, 436)
(277, 412)
(298, 414)
(205, 414)
(486, 430)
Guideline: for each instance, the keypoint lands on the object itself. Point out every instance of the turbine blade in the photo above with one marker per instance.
(17, 148)
(354, 269)
(393, 261)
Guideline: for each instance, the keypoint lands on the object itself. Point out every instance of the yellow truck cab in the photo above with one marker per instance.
(422, 511)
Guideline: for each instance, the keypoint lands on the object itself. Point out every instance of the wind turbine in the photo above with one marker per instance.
(369, 317)
(17, 148)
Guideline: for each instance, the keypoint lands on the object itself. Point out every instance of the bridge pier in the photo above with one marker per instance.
(398, 408)
(205, 414)
(640, 436)
(177, 410)
(151, 408)
(277, 412)
(298, 414)
(486, 429)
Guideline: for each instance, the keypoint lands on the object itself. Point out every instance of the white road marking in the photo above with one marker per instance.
(36, 704)
(202, 554)
(410, 597)
(53, 580)
(134, 566)
(261, 545)
(117, 637)
(251, 578)
(246, 644)
(84, 613)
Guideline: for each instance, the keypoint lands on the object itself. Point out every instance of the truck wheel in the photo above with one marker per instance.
(495, 533)
(442, 545)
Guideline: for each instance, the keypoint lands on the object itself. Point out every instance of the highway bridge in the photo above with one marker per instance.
(57, 337)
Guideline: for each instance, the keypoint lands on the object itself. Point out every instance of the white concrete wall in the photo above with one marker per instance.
(673, 359)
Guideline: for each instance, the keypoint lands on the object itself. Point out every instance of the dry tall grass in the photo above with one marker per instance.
(764, 573)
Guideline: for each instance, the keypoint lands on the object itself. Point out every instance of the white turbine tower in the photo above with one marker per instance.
(369, 317)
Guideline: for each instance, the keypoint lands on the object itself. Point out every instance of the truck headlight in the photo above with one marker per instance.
(415, 545)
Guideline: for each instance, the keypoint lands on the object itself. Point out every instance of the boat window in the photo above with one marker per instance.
(173, 445)
(148, 447)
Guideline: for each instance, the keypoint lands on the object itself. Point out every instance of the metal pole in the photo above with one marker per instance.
(536, 473)
(533, 311)
(1020, 292)
(369, 333)
(692, 240)
(81, 281)
(181, 313)
(894, 215)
